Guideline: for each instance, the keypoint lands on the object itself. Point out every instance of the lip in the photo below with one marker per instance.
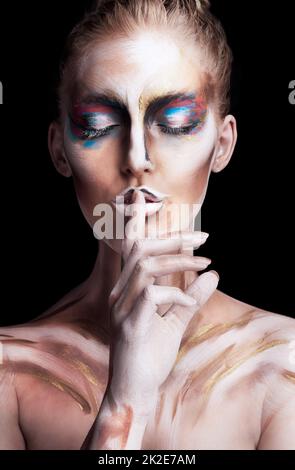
(151, 195)
(150, 208)
(153, 200)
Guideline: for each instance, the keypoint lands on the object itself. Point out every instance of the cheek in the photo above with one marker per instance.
(184, 162)
(94, 161)
(94, 173)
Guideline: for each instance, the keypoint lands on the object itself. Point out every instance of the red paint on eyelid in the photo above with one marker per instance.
(79, 110)
(197, 105)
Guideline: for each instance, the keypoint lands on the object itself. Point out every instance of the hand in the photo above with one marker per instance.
(144, 344)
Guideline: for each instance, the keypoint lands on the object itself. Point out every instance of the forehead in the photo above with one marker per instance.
(141, 65)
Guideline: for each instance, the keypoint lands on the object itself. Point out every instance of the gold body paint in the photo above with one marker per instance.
(83, 376)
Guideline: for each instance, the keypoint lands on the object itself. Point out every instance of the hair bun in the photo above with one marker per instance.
(203, 5)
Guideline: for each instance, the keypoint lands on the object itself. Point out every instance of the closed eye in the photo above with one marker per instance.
(178, 130)
(91, 133)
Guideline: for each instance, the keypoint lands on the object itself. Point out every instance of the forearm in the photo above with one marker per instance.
(118, 425)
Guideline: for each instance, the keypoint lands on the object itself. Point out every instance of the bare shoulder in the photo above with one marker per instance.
(228, 321)
(11, 437)
(277, 424)
(54, 371)
(50, 345)
(235, 345)
(236, 363)
(55, 358)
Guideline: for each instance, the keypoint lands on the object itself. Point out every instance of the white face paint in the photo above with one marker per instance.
(138, 150)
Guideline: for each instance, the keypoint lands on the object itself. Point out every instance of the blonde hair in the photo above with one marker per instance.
(191, 18)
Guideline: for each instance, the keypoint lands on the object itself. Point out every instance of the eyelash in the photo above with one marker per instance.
(92, 134)
(177, 130)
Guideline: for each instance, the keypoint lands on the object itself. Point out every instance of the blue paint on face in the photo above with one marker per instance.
(183, 116)
(171, 112)
(89, 144)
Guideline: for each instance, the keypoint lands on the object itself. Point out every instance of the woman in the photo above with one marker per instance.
(147, 353)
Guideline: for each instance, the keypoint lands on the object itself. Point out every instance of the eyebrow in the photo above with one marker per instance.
(107, 99)
(159, 102)
(154, 104)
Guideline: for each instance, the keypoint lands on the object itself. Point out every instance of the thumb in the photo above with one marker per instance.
(201, 290)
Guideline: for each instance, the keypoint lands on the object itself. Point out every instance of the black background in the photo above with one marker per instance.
(47, 247)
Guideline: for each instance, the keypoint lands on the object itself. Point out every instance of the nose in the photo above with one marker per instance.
(136, 160)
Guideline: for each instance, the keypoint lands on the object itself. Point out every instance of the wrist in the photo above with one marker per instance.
(141, 403)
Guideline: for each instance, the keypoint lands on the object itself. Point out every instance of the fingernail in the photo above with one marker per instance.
(135, 195)
(202, 262)
(191, 301)
(204, 236)
(140, 197)
(200, 237)
(214, 272)
(206, 263)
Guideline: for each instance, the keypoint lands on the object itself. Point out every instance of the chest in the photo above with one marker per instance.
(56, 418)
(211, 399)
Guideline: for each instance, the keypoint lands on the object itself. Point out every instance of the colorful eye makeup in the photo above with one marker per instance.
(183, 116)
(175, 115)
(90, 122)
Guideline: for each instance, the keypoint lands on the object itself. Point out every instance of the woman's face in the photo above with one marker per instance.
(138, 116)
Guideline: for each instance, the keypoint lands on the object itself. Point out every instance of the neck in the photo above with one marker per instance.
(101, 281)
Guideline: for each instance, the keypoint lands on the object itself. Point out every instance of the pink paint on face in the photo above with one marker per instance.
(82, 114)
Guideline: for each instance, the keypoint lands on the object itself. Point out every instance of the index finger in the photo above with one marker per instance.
(135, 227)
